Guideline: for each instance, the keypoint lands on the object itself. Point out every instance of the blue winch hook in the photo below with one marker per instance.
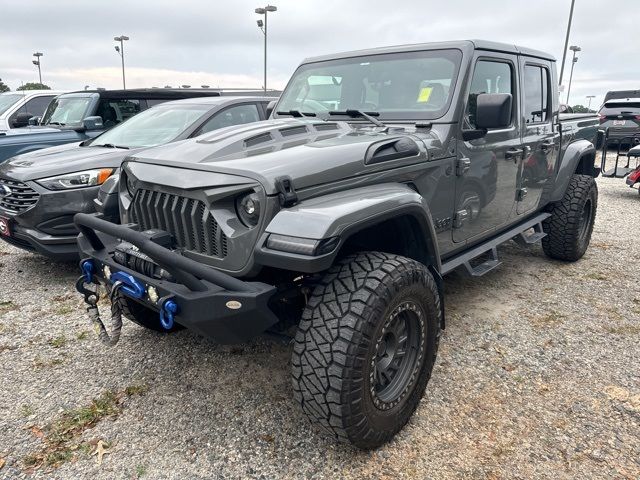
(167, 311)
(87, 270)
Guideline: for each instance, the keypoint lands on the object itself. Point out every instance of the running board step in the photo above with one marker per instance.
(486, 266)
(525, 238)
(489, 246)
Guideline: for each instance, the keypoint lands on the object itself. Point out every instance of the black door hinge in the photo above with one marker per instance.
(286, 192)
(463, 166)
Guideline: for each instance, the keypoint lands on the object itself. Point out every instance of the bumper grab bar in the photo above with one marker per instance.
(185, 270)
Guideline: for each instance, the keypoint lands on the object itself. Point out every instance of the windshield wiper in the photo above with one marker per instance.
(111, 145)
(297, 113)
(358, 114)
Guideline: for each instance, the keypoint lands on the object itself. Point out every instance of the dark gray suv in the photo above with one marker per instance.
(42, 190)
(621, 120)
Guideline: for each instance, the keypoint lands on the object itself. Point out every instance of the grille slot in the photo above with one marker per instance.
(258, 139)
(321, 127)
(188, 220)
(287, 132)
(22, 196)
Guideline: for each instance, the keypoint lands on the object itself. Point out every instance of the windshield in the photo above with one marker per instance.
(152, 127)
(66, 111)
(400, 86)
(616, 108)
(7, 101)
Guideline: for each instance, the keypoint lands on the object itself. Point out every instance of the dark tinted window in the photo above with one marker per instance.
(536, 94)
(117, 111)
(231, 116)
(616, 108)
(488, 77)
(36, 107)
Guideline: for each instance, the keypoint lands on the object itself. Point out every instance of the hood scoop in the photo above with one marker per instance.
(258, 139)
(403, 147)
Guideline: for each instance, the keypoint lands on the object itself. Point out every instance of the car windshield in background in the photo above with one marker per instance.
(400, 86)
(7, 101)
(152, 127)
(66, 111)
(617, 108)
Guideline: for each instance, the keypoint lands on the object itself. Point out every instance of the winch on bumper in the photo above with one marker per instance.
(203, 299)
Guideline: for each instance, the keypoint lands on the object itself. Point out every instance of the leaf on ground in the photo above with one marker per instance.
(101, 450)
(2, 462)
(37, 431)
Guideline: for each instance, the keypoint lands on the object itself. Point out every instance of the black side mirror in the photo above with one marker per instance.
(33, 121)
(21, 120)
(494, 110)
(92, 123)
(270, 106)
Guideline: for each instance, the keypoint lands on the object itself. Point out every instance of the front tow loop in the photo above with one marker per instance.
(88, 287)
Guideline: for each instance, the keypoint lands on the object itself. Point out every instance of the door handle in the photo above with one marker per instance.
(513, 153)
(547, 146)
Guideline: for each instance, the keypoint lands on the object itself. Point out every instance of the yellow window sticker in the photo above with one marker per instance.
(424, 95)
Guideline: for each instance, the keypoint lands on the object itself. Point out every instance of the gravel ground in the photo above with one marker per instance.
(537, 377)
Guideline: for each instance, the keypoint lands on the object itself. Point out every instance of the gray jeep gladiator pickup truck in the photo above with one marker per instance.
(379, 172)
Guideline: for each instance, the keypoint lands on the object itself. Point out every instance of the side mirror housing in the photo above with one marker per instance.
(494, 110)
(21, 120)
(107, 201)
(92, 123)
(270, 106)
(33, 121)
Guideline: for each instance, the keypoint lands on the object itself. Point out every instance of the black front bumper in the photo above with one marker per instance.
(210, 302)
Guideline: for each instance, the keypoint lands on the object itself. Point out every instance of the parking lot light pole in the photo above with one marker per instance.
(264, 11)
(36, 62)
(590, 97)
(566, 41)
(574, 49)
(120, 50)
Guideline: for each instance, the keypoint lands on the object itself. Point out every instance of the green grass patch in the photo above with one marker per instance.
(58, 342)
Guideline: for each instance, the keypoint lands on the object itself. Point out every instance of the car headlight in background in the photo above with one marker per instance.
(86, 178)
(248, 207)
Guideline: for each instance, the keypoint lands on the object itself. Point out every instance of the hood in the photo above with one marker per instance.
(311, 152)
(61, 159)
(28, 130)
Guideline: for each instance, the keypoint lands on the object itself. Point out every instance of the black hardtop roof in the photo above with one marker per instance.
(172, 93)
(213, 101)
(459, 44)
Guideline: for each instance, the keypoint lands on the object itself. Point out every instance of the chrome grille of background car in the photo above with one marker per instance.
(16, 196)
(187, 219)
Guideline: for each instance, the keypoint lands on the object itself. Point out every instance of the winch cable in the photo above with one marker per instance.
(91, 297)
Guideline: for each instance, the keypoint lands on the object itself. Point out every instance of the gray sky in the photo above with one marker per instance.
(217, 43)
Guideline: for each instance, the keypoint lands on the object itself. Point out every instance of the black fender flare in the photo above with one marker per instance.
(575, 152)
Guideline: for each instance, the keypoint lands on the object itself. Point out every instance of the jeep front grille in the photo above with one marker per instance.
(188, 220)
(16, 196)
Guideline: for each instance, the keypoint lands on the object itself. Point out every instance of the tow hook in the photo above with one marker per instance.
(87, 270)
(168, 309)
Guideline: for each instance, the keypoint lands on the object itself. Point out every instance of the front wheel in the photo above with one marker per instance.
(572, 219)
(366, 346)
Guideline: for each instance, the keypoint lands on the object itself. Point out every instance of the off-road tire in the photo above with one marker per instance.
(143, 316)
(340, 336)
(572, 219)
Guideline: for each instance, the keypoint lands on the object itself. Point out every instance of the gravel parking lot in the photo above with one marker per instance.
(538, 376)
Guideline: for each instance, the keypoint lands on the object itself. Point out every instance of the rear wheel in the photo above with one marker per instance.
(143, 316)
(570, 225)
(366, 346)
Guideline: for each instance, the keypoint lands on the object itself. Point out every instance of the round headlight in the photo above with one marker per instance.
(248, 207)
(131, 185)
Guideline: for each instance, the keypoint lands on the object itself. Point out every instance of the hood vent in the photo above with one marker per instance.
(386, 151)
(322, 127)
(287, 132)
(258, 139)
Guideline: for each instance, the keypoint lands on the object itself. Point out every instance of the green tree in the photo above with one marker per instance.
(4, 87)
(34, 86)
(580, 109)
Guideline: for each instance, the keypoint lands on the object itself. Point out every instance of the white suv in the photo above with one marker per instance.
(17, 107)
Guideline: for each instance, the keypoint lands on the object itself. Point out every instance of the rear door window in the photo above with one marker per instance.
(236, 115)
(536, 94)
(114, 111)
(620, 108)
